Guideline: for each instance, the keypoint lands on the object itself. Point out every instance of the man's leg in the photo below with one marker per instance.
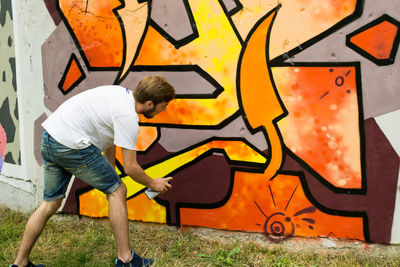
(118, 215)
(33, 229)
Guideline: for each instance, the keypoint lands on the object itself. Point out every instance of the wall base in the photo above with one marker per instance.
(17, 199)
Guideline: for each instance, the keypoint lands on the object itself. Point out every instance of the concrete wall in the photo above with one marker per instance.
(286, 117)
(21, 68)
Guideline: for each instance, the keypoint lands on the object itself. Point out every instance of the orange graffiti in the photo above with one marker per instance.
(97, 29)
(297, 21)
(322, 125)
(73, 75)
(254, 197)
(378, 40)
(258, 96)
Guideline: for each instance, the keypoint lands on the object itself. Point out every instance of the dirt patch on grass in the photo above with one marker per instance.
(331, 246)
(321, 245)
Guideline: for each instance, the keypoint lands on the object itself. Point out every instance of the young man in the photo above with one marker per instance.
(75, 135)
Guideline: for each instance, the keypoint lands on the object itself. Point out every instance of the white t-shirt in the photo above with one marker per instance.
(102, 116)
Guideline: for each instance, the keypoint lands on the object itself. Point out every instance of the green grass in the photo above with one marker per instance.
(68, 242)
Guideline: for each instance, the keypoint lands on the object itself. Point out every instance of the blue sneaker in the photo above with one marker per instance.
(136, 261)
(30, 264)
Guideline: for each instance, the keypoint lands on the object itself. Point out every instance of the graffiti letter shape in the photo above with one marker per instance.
(257, 94)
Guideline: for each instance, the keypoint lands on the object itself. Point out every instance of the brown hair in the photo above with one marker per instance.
(154, 88)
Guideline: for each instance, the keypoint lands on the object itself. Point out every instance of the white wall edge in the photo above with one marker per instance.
(395, 238)
(11, 170)
(32, 26)
(390, 125)
(387, 123)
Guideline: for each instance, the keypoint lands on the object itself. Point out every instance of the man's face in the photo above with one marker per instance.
(154, 110)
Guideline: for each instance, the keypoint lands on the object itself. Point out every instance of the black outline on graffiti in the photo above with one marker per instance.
(72, 58)
(195, 34)
(238, 7)
(150, 22)
(228, 16)
(119, 79)
(241, 109)
(395, 45)
(278, 61)
(78, 45)
(174, 42)
(184, 68)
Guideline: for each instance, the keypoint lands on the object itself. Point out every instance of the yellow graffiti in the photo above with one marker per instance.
(217, 56)
(235, 150)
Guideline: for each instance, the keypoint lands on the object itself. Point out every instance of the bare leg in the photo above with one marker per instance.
(118, 215)
(34, 228)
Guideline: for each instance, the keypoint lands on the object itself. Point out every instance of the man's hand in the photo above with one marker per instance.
(161, 184)
(136, 172)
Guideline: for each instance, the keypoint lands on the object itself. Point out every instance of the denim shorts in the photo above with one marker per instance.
(88, 164)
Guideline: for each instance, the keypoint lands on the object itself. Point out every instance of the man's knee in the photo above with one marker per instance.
(51, 207)
(120, 192)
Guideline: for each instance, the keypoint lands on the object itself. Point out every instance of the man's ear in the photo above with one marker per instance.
(149, 104)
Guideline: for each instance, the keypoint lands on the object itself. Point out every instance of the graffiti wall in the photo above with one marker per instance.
(286, 117)
(9, 122)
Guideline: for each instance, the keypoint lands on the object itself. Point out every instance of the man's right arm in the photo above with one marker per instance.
(136, 172)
